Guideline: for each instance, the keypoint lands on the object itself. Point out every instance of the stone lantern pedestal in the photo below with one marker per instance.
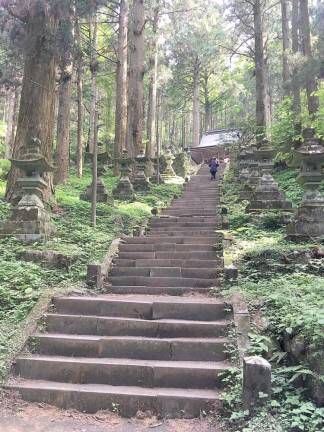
(181, 164)
(140, 181)
(168, 173)
(308, 223)
(266, 196)
(102, 193)
(29, 220)
(253, 179)
(264, 156)
(124, 189)
(154, 177)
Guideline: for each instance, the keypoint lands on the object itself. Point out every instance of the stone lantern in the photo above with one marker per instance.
(29, 220)
(267, 196)
(102, 193)
(140, 181)
(168, 173)
(124, 189)
(308, 223)
(264, 155)
(156, 161)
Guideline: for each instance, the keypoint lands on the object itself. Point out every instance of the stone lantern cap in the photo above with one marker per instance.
(311, 149)
(32, 160)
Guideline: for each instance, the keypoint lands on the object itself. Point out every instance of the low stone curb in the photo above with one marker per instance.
(241, 318)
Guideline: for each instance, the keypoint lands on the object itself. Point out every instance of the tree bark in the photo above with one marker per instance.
(196, 105)
(135, 110)
(285, 47)
(260, 73)
(153, 64)
(9, 119)
(296, 103)
(65, 88)
(311, 83)
(80, 112)
(121, 86)
(93, 113)
(37, 103)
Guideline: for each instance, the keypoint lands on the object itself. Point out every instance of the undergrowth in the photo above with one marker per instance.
(22, 283)
(283, 285)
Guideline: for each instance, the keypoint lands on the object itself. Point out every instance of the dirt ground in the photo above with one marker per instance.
(19, 416)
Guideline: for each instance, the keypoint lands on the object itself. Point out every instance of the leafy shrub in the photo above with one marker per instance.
(4, 168)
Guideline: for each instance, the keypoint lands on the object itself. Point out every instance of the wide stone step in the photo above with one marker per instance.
(179, 224)
(138, 347)
(168, 255)
(185, 212)
(128, 400)
(162, 218)
(175, 231)
(202, 273)
(163, 281)
(217, 263)
(164, 246)
(175, 240)
(143, 307)
(122, 371)
(121, 326)
(170, 291)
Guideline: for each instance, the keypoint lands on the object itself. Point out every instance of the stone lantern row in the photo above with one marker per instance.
(30, 220)
(260, 189)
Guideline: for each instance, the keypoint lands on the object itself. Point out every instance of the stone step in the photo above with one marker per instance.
(126, 399)
(175, 240)
(180, 219)
(121, 326)
(170, 291)
(179, 224)
(163, 281)
(202, 273)
(122, 371)
(143, 307)
(217, 263)
(168, 255)
(139, 347)
(176, 231)
(164, 246)
(185, 212)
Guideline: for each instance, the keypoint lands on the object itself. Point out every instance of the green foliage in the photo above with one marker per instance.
(284, 285)
(4, 168)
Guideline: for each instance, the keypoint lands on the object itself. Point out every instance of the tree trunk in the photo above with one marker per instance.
(63, 133)
(260, 73)
(9, 119)
(93, 144)
(65, 88)
(296, 103)
(79, 71)
(196, 105)
(121, 85)
(37, 103)
(285, 47)
(311, 84)
(135, 111)
(153, 64)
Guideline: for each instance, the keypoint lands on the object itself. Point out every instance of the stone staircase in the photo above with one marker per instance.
(157, 341)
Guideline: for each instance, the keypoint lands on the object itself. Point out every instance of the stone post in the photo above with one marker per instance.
(29, 220)
(256, 381)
